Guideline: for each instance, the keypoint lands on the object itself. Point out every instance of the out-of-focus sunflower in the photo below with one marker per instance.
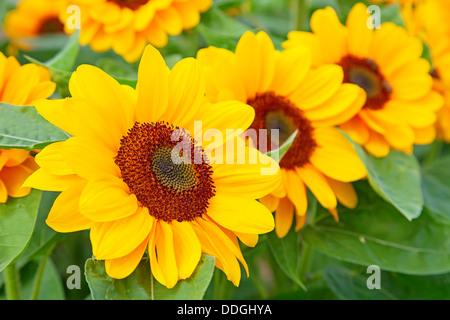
(127, 26)
(118, 178)
(400, 109)
(19, 85)
(33, 18)
(432, 23)
(289, 95)
(402, 2)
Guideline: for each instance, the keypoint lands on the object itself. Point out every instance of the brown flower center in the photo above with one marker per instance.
(366, 74)
(131, 4)
(51, 25)
(273, 112)
(170, 188)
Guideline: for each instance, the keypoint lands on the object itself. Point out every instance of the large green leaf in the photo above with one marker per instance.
(374, 234)
(436, 189)
(396, 178)
(287, 254)
(44, 238)
(22, 127)
(141, 285)
(17, 221)
(352, 285)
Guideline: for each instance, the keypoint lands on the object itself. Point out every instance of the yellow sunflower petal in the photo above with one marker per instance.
(228, 211)
(322, 83)
(122, 267)
(13, 179)
(152, 87)
(284, 217)
(107, 200)
(188, 249)
(345, 193)
(166, 254)
(296, 191)
(65, 214)
(115, 239)
(336, 157)
(316, 182)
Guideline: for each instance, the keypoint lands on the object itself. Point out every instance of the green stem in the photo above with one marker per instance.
(38, 279)
(301, 8)
(305, 262)
(12, 282)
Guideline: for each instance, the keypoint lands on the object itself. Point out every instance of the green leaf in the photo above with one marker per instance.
(352, 285)
(220, 30)
(278, 154)
(396, 178)
(141, 285)
(22, 127)
(436, 189)
(44, 238)
(17, 220)
(287, 254)
(374, 234)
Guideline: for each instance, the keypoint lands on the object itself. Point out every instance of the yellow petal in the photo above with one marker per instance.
(240, 214)
(43, 180)
(345, 193)
(318, 185)
(152, 86)
(13, 179)
(51, 160)
(122, 267)
(115, 239)
(165, 252)
(336, 157)
(319, 86)
(188, 249)
(89, 160)
(296, 191)
(284, 217)
(107, 200)
(65, 214)
(186, 93)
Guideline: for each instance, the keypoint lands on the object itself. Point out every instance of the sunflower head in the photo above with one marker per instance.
(136, 171)
(291, 96)
(400, 104)
(33, 18)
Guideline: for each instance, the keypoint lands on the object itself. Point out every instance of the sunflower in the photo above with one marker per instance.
(127, 26)
(400, 109)
(402, 2)
(290, 96)
(19, 85)
(118, 177)
(432, 24)
(33, 18)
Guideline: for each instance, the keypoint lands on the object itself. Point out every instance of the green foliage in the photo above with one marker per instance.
(36, 134)
(17, 220)
(375, 234)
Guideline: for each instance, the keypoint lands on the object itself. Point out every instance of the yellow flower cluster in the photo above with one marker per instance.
(116, 173)
(124, 26)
